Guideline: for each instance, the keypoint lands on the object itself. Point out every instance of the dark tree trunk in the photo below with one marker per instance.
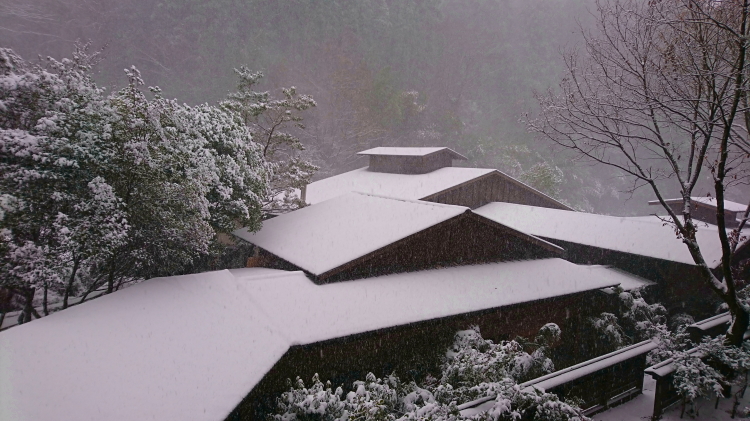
(111, 279)
(44, 301)
(28, 307)
(739, 326)
(69, 287)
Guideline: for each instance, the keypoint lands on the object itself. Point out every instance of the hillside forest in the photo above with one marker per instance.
(457, 73)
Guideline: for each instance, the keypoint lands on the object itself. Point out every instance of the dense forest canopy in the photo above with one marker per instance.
(458, 73)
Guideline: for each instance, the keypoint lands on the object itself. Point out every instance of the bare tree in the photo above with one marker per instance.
(660, 93)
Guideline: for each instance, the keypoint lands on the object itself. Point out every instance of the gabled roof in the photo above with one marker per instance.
(192, 347)
(323, 237)
(404, 151)
(401, 186)
(639, 236)
(708, 201)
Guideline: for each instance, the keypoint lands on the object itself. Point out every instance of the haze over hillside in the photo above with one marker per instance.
(457, 73)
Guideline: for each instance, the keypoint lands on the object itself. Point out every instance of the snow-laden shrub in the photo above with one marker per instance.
(705, 370)
(637, 321)
(668, 343)
(318, 402)
(477, 367)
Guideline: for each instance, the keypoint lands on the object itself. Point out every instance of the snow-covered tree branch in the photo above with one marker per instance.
(269, 120)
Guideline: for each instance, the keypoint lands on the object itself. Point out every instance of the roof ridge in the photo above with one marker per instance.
(630, 219)
(416, 201)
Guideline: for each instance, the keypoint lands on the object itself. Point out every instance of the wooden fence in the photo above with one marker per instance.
(600, 383)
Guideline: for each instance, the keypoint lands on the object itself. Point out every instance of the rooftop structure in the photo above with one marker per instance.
(471, 187)
(644, 246)
(192, 347)
(410, 160)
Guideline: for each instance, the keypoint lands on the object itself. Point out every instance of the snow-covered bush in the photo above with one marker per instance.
(668, 343)
(637, 321)
(476, 366)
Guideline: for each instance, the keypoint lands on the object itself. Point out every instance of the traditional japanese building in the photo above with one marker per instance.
(377, 274)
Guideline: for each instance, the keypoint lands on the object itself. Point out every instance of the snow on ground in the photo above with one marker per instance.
(642, 407)
(640, 236)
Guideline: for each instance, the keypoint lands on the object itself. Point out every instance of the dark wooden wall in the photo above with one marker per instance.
(410, 164)
(465, 239)
(680, 287)
(411, 351)
(494, 187)
(707, 214)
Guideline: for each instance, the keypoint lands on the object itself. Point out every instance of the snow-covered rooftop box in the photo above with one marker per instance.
(178, 348)
(331, 236)
(410, 151)
(648, 237)
(192, 347)
(410, 160)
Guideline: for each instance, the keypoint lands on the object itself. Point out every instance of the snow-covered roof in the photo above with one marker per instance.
(406, 151)
(640, 236)
(179, 348)
(392, 300)
(402, 186)
(628, 281)
(710, 201)
(324, 236)
(192, 347)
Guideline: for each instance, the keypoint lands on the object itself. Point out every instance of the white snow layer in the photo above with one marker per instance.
(640, 236)
(324, 236)
(345, 308)
(179, 348)
(191, 347)
(407, 151)
(402, 186)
